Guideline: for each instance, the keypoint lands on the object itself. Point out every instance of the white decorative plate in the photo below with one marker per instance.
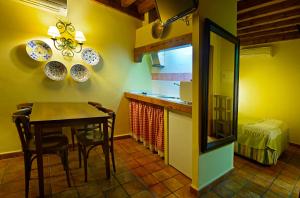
(79, 73)
(38, 50)
(55, 70)
(90, 56)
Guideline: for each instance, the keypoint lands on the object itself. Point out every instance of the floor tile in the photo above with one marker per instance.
(255, 188)
(160, 190)
(171, 196)
(152, 167)
(271, 194)
(118, 192)
(232, 185)
(289, 187)
(89, 189)
(125, 177)
(133, 187)
(221, 190)
(183, 179)
(13, 176)
(143, 194)
(66, 194)
(171, 171)
(142, 174)
(185, 192)
(262, 182)
(161, 175)
(210, 195)
(149, 180)
(106, 184)
(146, 159)
(132, 164)
(140, 171)
(280, 190)
(172, 184)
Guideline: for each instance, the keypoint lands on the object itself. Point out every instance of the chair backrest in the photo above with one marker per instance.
(111, 121)
(24, 105)
(23, 111)
(23, 128)
(95, 104)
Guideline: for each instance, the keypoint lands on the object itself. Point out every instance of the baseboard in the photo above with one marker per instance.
(214, 183)
(194, 190)
(11, 155)
(125, 136)
(20, 153)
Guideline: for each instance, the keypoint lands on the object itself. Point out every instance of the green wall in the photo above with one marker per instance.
(214, 164)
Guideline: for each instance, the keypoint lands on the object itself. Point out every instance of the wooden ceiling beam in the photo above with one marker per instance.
(289, 4)
(269, 18)
(268, 26)
(245, 4)
(271, 38)
(127, 3)
(116, 5)
(146, 6)
(292, 28)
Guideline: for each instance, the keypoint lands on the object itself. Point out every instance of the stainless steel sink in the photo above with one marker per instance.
(170, 98)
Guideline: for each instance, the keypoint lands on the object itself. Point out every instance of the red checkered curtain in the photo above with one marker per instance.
(147, 125)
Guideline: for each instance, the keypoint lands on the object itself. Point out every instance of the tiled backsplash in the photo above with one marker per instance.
(172, 76)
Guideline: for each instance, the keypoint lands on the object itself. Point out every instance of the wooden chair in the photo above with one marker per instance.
(90, 137)
(94, 104)
(46, 131)
(51, 145)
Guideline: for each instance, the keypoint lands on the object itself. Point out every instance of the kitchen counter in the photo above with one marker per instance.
(169, 103)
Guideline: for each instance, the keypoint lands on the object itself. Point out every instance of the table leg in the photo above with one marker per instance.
(106, 148)
(39, 152)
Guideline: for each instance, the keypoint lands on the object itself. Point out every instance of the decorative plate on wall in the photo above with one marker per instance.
(90, 56)
(55, 70)
(38, 50)
(79, 73)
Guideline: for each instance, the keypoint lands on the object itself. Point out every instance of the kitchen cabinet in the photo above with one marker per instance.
(180, 142)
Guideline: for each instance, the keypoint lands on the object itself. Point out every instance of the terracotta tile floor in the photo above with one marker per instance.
(250, 179)
(141, 174)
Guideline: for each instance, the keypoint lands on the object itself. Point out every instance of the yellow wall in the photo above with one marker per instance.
(21, 79)
(269, 86)
(206, 167)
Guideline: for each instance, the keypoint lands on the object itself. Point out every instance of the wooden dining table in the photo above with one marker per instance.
(67, 114)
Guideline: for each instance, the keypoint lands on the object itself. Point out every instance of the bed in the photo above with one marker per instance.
(261, 140)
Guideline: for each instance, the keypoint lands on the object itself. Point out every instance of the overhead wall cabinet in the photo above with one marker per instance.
(166, 44)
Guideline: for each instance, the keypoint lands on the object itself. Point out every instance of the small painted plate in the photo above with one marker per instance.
(38, 50)
(55, 70)
(79, 73)
(90, 56)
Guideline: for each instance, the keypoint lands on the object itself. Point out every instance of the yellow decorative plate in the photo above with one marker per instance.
(38, 50)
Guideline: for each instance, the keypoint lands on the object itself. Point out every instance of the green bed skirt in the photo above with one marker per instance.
(264, 156)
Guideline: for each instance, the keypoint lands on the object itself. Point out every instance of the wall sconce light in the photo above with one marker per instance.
(66, 38)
